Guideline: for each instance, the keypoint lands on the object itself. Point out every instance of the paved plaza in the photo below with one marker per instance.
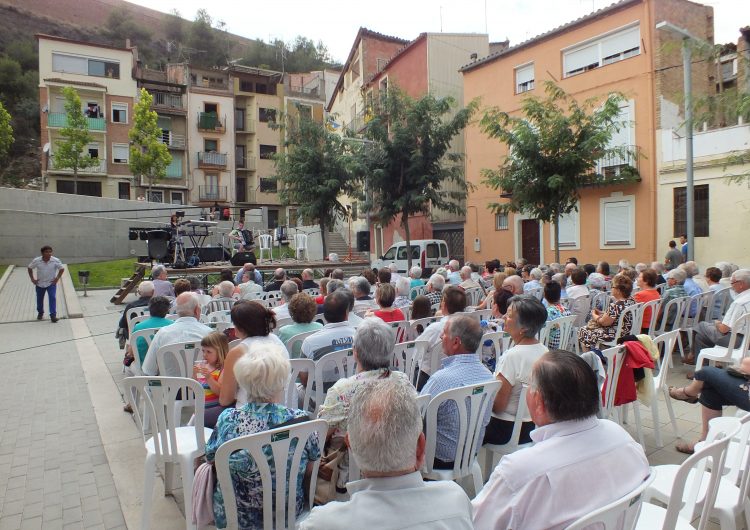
(71, 458)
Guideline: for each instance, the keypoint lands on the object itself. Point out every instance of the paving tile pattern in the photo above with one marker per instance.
(19, 299)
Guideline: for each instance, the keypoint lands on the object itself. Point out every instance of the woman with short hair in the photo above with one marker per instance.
(605, 323)
(647, 292)
(302, 309)
(384, 297)
(262, 373)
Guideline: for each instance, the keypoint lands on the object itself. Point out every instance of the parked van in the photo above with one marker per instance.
(429, 254)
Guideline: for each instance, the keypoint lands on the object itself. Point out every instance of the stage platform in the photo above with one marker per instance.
(267, 267)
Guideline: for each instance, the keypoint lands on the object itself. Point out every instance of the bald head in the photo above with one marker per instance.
(465, 272)
(279, 274)
(514, 284)
(188, 305)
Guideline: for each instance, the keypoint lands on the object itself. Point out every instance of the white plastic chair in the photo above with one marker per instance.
(665, 342)
(683, 506)
(478, 399)
(266, 246)
(281, 322)
(417, 290)
(312, 291)
(136, 320)
(217, 316)
(402, 330)
(133, 314)
(655, 307)
(474, 296)
(564, 325)
(600, 300)
(406, 310)
(217, 305)
(478, 315)
(147, 335)
(424, 322)
(615, 358)
(407, 357)
(293, 398)
(621, 514)
(632, 310)
(300, 245)
(723, 298)
(169, 444)
(513, 445)
(343, 366)
(275, 483)
(580, 307)
(731, 502)
(422, 402)
(176, 359)
(732, 352)
(294, 344)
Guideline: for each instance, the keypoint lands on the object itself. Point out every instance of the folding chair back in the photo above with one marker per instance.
(401, 330)
(294, 345)
(653, 315)
(564, 327)
(136, 312)
(301, 397)
(407, 357)
(424, 322)
(621, 514)
(474, 296)
(147, 335)
(580, 307)
(339, 363)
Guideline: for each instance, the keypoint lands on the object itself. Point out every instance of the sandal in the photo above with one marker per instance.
(684, 447)
(680, 395)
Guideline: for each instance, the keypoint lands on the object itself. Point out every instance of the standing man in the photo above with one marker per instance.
(49, 270)
(673, 258)
(684, 247)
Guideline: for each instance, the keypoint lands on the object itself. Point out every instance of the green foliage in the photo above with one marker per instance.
(71, 153)
(149, 157)
(6, 133)
(553, 148)
(208, 40)
(302, 55)
(121, 26)
(409, 161)
(315, 172)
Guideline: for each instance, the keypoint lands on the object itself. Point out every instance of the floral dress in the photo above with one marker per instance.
(253, 418)
(555, 311)
(591, 337)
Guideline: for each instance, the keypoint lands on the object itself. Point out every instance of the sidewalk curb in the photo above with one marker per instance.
(6, 275)
(72, 305)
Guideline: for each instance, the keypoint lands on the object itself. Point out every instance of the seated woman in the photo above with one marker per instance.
(384, 297)
(262, 373)
(323, 285)
(714, 388)
(603, 325)
(497, 284)
(555, 310)
(421, 308)
(647, 293)
(302, 309)
(525, 317)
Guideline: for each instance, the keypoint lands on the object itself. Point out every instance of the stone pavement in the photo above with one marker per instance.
(19, 299)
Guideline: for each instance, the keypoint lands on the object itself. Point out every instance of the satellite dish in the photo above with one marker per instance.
(46, 148)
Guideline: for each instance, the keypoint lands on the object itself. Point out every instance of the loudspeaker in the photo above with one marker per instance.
(243, 257)
(158, 244)
(208, 254)
(363, 241)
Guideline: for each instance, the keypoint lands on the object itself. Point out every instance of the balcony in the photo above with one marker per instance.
(60, 119)
(166, 102)
(172, 140)
(98, 169)
(212, 160)
(618, 167)
(247, 163)
(210, 122)
(245, 195)
(268, 185)
(212, 193)
(247, 127)
(206, 82)
(174, 169)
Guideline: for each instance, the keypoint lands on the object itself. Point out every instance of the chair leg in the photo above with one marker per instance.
(638, 424)
(672, 417)
(655, 418)
(476, 474)
(624, 418)
(186, 467)
(168, 478)
(489, 458)
(149, 475)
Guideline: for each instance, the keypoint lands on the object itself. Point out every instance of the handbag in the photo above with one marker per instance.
(328, 473)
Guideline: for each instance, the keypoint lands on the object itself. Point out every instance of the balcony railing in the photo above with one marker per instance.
(168, 100)
(210, 121)
(60, 119)
(212, 159)
(208, 83)
(172, 140)
(99, 168)
(247, 127)
(268, 185)
(245, 195)
(212, 193)
(246, 162)
(174, 169)
(618, 167)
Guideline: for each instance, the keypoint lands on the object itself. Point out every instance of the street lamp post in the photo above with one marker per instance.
(688, 88)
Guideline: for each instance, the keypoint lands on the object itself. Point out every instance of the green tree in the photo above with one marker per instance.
(209, 41)
(71, 153)
(121, 26)
(314, 172)
(408, 160)
(553, 150)
(149, 157)
(6, 133)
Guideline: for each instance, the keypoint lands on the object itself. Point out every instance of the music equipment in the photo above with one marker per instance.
(243, 257)
(363, 241)
(207, 254)
(194, 222)
(281, 235)
(158, 244)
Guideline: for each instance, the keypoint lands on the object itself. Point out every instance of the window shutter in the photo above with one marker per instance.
(567, 230)
(582, 57)
(120, 153)
(69, 64)
(617, 222)
(616, 44)
(524, 74)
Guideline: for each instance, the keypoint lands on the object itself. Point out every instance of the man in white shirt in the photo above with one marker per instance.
(467, 282)
(454, 278)
(535, 282)
(717, 333)
(49, 270)
(224, 301)
(186, 328)
(454, 301)
(288, 289)
(385, 438)
(162, 286)
(572, 447)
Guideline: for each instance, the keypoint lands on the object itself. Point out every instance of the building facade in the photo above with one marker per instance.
(615, 49)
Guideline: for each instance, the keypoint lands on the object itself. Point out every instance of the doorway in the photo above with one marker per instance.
(530, 241)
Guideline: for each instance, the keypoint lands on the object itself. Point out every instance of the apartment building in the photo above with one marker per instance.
(613, 49)
(428, 64)
(169, 102)
(103, 77)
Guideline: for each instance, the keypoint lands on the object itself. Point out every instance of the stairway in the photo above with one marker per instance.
(336, 243)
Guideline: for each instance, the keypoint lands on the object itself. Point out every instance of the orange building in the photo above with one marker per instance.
(614, 49)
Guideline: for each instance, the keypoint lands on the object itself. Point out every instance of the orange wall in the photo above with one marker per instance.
(408, 71)
(494, 83)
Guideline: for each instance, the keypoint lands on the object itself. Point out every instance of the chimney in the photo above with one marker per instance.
(473, 56)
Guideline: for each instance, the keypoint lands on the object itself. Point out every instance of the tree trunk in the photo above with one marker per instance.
(405, 224)
(557, 237)
(323, 238)
(75, 181)
(150, 189)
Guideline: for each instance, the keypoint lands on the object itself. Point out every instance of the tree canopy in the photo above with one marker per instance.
(6, 133)
(408, 163)
(149, 156)
(554, 149)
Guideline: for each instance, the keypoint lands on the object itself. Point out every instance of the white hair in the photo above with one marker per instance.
(374, 342)
(146, 288)
(437, 281)
(186, 303)
(289, 289)
(307, 273)
(226, 288)
(465, 272)
(263, 371)
(658, 266)
(403, 286)
(158, 270)
(742, 275)
(555, 267)
(393, 267)
(690, 268)
(415, 272)
(640, 267)
(725, 267)
(623, 264)
(442, 271)
(384, 425)
(678, 275)
(536, 273)
(453, 264)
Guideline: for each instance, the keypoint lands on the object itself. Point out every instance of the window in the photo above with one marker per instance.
(211, 108)
(443, 250)
(267, 151)
(176, 197)
(390, 255)
(266, 115)
(268, 185)
(602, 51)
(524, 78)
(91, 189)
(119, 113)
(85, 66)
(501, 221)
(568, 231)
(617, 221)
(239, 156)
(123, 190)
(383, 85)
(239, 119)
(94, 150)
(402, 253)
(305, 111)
(273, 218)
(432, 250)
(246, 86)
(120, 153)
(700, 211)
(156, 196)
(210, 145)
(261, 88)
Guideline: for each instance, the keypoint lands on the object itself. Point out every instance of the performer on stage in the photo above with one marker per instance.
(242, 239)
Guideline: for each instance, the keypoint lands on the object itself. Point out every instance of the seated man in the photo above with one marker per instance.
(361, 290)
(454, 278)
(249, 289)
(145, 291)
(224, 301)
(435, 286)
(186, 328)
(535, 280)
(467, 282)
(461, 366)
(572, 447)
(279, 276)
(386, 440)
(307, 280)
(162, 286)
(691, 287)
(675, 289)
(253, 273)
(288, 289)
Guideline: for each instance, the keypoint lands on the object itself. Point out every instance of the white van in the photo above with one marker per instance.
(427, 253)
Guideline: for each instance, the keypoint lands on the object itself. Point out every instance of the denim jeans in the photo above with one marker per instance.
(721, 389)
(52, 294)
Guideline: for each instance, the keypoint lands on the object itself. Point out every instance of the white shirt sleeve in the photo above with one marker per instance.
(149, 365)
(493, 506)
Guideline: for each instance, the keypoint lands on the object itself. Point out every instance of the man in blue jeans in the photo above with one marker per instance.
(48, 272)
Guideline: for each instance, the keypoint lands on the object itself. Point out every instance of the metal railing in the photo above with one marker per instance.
(248, 126)
(212, 159)
(210, 121)
(100, 167)
(212, 193)
(624, 164)
(168, 100)
(245, 195)
(60, 119)
(175, 141)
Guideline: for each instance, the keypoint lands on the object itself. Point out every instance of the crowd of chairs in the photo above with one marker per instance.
(693, 489)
